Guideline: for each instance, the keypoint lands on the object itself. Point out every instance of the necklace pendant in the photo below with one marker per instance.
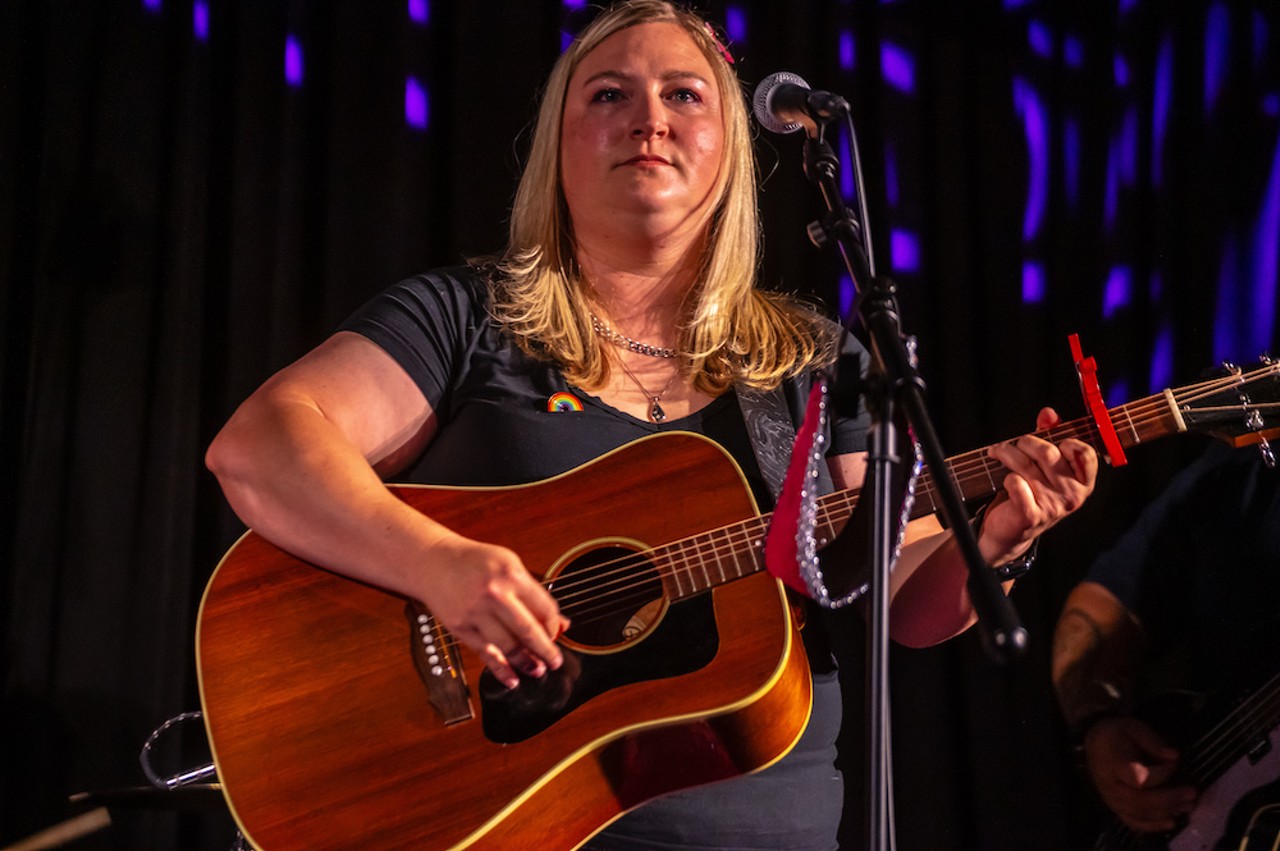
(656, 413)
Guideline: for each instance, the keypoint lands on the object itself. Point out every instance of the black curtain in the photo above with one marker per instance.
(187, 203)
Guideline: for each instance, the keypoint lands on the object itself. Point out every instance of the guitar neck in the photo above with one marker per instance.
(978, 477)
(1234, 407)
(1235, 736)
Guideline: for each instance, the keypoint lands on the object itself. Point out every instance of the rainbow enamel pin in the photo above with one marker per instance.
(563, 402)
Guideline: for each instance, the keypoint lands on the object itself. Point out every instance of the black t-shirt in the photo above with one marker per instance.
(506, 418)
(1201, 569)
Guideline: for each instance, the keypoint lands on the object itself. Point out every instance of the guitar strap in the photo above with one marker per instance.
(772, 419)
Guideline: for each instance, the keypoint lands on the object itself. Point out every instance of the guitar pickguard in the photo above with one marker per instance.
(1211, 820)
(684, 641)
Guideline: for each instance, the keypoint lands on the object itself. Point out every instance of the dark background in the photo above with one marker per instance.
(177, 221)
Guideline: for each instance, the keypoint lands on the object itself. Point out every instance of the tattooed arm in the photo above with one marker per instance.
(1097, 648)
(1097, 651)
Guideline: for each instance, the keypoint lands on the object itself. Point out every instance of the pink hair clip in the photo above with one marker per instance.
(724, 51)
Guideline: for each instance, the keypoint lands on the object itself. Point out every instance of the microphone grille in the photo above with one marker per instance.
(764, 93)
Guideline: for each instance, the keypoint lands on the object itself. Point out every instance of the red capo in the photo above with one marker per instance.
(1087, 368)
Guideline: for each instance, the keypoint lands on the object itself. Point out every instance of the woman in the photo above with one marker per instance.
(628, 286)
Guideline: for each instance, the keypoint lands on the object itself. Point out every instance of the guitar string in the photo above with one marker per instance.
(1138, 413)
(1216, 750)
(1229, 749)
(626, 564)
(986, 465)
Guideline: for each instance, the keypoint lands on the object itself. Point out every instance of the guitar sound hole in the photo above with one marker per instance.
(611, 596)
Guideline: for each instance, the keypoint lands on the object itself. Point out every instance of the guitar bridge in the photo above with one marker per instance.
(436, 658)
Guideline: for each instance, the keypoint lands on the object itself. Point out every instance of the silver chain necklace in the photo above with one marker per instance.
(656, 414)
(627, 343)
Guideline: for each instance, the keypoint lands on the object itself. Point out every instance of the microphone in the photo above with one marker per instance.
(784, 103)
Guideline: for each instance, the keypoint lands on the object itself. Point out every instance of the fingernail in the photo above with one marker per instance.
(531, 666)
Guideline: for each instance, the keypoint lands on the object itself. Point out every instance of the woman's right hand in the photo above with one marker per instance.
(1132, 768)
(486, 597)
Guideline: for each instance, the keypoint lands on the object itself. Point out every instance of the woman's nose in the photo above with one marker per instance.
(650, 118)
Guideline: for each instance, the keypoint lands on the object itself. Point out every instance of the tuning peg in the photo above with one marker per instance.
(1268, 457)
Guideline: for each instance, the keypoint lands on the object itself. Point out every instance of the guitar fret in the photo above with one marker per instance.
(751, 547)
(706, 574)
(724, 577)
(726, 538)
(1133, 429)
(675, 566)
(700, 562)
(924, 491)
(682, 572)
(714, 554)
(955, 479)
(693, 558)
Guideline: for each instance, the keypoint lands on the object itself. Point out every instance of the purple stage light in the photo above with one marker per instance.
(200, 20)
(1226, 337)
(1118, 291)
(293, 64)
(846, 294)
(1035, 125)
(1034, 287)
(1160, 108)
(1118, 393)
(1040, 37)
(1217, 43)
(848, 56)
(735, 24)
(892, 186)
(898, 68)
(416, 113)
(1120, 71)
(1071, 161)
(1162, 359)
(1266, 254)
(904, 248)
(1073, 51)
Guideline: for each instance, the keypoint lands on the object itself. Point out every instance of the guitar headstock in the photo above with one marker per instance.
(1240, 406)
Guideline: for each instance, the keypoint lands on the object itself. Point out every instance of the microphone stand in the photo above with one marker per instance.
(893, 380)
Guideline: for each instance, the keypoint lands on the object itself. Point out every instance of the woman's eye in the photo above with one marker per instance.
(606, 96)
(686, 95)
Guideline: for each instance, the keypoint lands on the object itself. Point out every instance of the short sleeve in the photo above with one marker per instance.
(426, 324)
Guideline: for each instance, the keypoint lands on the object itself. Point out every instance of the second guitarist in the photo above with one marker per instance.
(1186, 602)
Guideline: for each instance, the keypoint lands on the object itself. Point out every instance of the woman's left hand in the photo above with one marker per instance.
(1045, 483)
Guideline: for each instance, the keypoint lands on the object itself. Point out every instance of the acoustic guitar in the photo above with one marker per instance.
(341, 716)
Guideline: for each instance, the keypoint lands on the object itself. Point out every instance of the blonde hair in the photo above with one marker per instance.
(732, 332)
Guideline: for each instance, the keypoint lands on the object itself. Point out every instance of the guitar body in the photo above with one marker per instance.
(1229, 743)
(1238, 806)
(323, 725)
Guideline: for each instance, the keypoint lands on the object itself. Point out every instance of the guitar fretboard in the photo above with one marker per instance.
(696, 564)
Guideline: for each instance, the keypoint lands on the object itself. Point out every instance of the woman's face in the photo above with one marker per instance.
(642, 136)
